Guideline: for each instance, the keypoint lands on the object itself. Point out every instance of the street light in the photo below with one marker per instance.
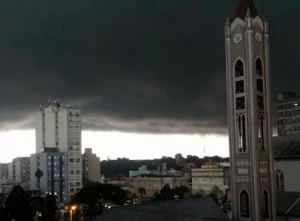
(71, 209)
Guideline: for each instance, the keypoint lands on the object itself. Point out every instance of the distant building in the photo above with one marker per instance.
(208, 176)
(285, 95)
(55, 179)
(90, 166)
(3, 171)
(288, 114)
(179, 159)
(6, 187)
(142, 170)
(154, 184)
(59, 126)
(18, 171)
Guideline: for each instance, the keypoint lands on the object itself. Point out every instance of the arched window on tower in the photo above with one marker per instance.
(239, 68)
(265, 203)
(244, 204)
(259, 68)
(279, 180)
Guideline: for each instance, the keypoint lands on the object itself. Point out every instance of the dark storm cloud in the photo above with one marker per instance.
(133, 65)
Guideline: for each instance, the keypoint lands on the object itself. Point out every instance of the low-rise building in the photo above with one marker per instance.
(155, 184)
(208, 176)
(3, 171)
(142, 170)
(18, 171)
(90, 166)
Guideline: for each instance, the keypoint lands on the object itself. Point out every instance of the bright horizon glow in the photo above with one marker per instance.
(21, 143)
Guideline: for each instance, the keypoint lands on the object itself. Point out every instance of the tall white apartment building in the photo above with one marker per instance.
(59, 126)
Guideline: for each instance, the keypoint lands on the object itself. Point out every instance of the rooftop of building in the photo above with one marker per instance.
(57, 104)
(288, 203)
(189, 209)
(286, 147)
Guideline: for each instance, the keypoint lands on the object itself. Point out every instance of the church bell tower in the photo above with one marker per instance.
(248, 107)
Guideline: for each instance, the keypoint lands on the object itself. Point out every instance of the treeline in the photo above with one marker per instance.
(121, 166)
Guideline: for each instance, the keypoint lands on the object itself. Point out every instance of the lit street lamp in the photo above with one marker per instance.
(71, 214)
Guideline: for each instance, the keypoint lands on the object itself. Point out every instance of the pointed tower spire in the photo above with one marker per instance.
(243, 6)
(248, 13)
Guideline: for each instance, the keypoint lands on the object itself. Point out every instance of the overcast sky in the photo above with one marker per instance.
(133, 65)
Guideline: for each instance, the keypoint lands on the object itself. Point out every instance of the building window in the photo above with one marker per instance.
(241, 123)
(77, 183)
(71, 160)
(261, 130)
(239, 87)
(265, 204)
(244, 204)
(279, 180)
(239, 68)
(260, 102)
(78, 160)
(77, 171)
(240, 103)
(259, 69)
(259, 85)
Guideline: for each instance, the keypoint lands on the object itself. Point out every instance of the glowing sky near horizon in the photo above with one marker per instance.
(17, 143)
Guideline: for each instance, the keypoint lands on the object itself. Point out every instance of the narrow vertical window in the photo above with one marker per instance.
(239, 87)
(261, 132)
(259, 85)
(260, 102)
(259, 69)
(240, 103)
(265, 204)
(244, 204)
(279, 180)
(239, 68)
(242, 133)
(240, 144)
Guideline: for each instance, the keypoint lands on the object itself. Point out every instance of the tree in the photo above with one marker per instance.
(167, 193)
(38, 174)
(38, 204)
(51, 205)
(141, 191)
(3, 213)
(18, 204)
(93, 191)
(216, 193)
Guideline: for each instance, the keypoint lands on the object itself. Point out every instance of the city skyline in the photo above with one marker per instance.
(25, 145)
(143, 68)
